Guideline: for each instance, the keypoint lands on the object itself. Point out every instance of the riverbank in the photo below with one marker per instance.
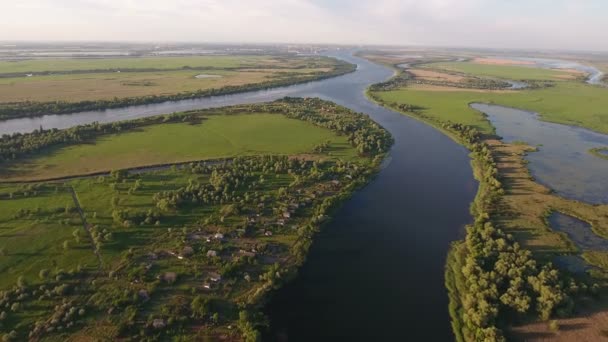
(523, 206)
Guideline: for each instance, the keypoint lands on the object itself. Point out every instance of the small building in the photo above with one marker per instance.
(245, 253)
(268, 233)
(169, 277)
(215, 277)
(159, 323)
(218, 236)
(143, 295)
(187, 252)
(287, 215)
(211, 253)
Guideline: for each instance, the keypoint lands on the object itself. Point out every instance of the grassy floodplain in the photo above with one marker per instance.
(503, 71)
(217, 136)
(569, 103)
(187, 253)
(76, 80)
(47, 86)
(511, 212)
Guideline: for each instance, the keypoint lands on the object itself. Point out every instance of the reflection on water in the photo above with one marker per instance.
(563, 161)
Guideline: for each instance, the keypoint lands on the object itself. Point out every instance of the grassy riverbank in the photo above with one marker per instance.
(510, 213)
(510, 72)
(187, 253)
(568, 103)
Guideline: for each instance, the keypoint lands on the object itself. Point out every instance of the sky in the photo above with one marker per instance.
(529, 24)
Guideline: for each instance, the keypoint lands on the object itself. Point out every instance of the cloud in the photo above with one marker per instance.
(494, 23)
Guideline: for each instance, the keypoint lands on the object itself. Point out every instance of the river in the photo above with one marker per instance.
(377, 271)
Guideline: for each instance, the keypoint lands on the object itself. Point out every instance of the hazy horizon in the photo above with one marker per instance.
(518, 24)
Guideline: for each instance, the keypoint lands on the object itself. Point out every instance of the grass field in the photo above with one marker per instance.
(217, 137)
(568, 103)
(35, 241)
(67, 64)
(503, 71)
(95, 86)
(93, 82)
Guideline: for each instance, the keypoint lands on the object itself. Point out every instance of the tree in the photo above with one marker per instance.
(43, 274)
(21, 282)
(199, 307)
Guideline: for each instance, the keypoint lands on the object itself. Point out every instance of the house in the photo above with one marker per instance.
(143, 295)
(218, 236)
(187, 252)
(169, 277)
(268, 233)
(246, 253)
(158, 323)
(215, 277)
(211, 253)
(281, 222)
(286, 214)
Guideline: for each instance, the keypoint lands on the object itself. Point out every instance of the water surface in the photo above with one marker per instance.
(563, 161)
(578, 231)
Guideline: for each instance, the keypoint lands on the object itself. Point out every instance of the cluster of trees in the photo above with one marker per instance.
(54, 286)
(469, 82)
(363, 133)
(30, 109)
(127, 217)
(499, 279)
(226, 179)
(396, 82)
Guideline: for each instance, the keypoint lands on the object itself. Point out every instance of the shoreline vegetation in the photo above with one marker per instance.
(190, 253)
(14, 110)
(502, 272)
(600, 152)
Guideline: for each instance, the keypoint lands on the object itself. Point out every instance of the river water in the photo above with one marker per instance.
(377, 271)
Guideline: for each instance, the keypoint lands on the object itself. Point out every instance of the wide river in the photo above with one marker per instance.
(376, 273)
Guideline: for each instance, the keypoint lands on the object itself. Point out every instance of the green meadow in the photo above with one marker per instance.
(569, 103)
(67, 64)
(217, 136)
(502, 71)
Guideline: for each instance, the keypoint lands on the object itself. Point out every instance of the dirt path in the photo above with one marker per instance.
(85, 225)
